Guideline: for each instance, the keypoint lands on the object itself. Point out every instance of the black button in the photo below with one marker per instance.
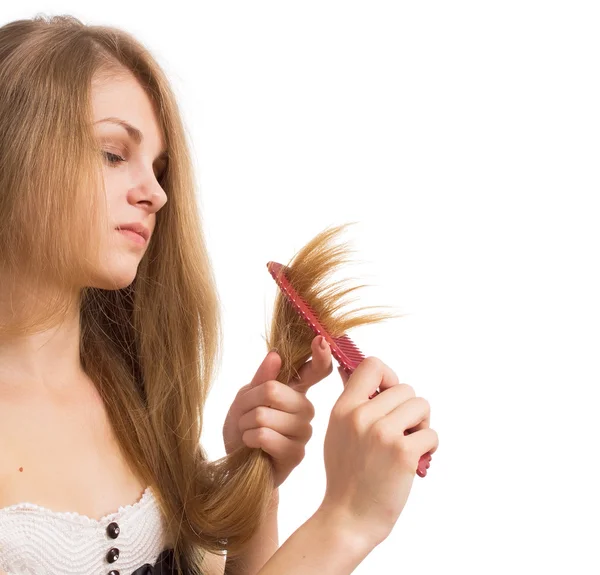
(113, 530)
(112, 555)
(113, 572)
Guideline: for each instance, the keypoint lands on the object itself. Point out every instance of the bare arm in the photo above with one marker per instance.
(261, 547)
(371, 452)
(323, 545)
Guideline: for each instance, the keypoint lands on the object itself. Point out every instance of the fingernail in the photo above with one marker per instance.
(323, 344)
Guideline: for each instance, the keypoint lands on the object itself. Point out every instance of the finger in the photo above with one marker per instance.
(275, 444)
(392, 397)
(273, 393)
(424, 441)
(370, 374)
(388, 400)
(316, 369)
(290, 425)
(408, 415)
(421, 425)
(424, 423)
(268, 369)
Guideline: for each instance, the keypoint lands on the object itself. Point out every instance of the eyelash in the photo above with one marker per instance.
(120, 159)
(113, 163)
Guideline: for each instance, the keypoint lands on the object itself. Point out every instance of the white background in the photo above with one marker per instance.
(464, 139)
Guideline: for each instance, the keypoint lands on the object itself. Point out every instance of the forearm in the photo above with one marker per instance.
(323, 545)
(260, 548)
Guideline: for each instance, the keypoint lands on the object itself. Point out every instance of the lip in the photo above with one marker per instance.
(136, 227)
(137, 238)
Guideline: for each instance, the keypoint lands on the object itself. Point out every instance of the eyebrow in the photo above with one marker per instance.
(133, 132)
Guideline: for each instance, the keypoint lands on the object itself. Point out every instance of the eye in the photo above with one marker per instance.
(111, 158)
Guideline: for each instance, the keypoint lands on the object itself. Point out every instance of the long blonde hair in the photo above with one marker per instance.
(151, 348)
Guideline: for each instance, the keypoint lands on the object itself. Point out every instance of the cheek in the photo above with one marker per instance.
(119, 262)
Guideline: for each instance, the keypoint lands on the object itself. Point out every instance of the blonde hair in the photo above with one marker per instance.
(151, 348)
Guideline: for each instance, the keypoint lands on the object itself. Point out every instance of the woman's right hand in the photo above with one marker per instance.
(370, 462)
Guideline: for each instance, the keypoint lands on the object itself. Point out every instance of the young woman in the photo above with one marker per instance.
(109, 333)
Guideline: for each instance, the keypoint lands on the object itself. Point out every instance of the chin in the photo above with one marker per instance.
(115, 277)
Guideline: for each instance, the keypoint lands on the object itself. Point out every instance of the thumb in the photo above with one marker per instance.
(268, 369)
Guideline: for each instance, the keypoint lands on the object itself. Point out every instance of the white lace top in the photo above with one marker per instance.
(37, 541)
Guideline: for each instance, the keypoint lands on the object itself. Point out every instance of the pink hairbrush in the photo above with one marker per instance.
(342, 348)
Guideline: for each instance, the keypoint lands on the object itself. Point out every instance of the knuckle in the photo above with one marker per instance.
(271, 390)
(309, 432)
(407, 389)
(401, 449)
(382, 435)
(262, 434)
(339, 413)
(436, 437)
(261, 415)
(358, 419)
(424, 404)
(372, 362)
(242, 390)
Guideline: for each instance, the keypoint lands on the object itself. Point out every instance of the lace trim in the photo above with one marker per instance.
(77, 517)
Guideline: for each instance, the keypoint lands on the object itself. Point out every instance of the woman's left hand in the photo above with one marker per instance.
(276, 417)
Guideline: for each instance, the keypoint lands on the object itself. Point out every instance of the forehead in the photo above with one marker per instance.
(123, 97)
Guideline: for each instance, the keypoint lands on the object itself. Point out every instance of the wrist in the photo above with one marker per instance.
(348, 534)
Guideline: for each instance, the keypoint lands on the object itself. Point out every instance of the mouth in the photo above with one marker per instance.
(133, 236)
